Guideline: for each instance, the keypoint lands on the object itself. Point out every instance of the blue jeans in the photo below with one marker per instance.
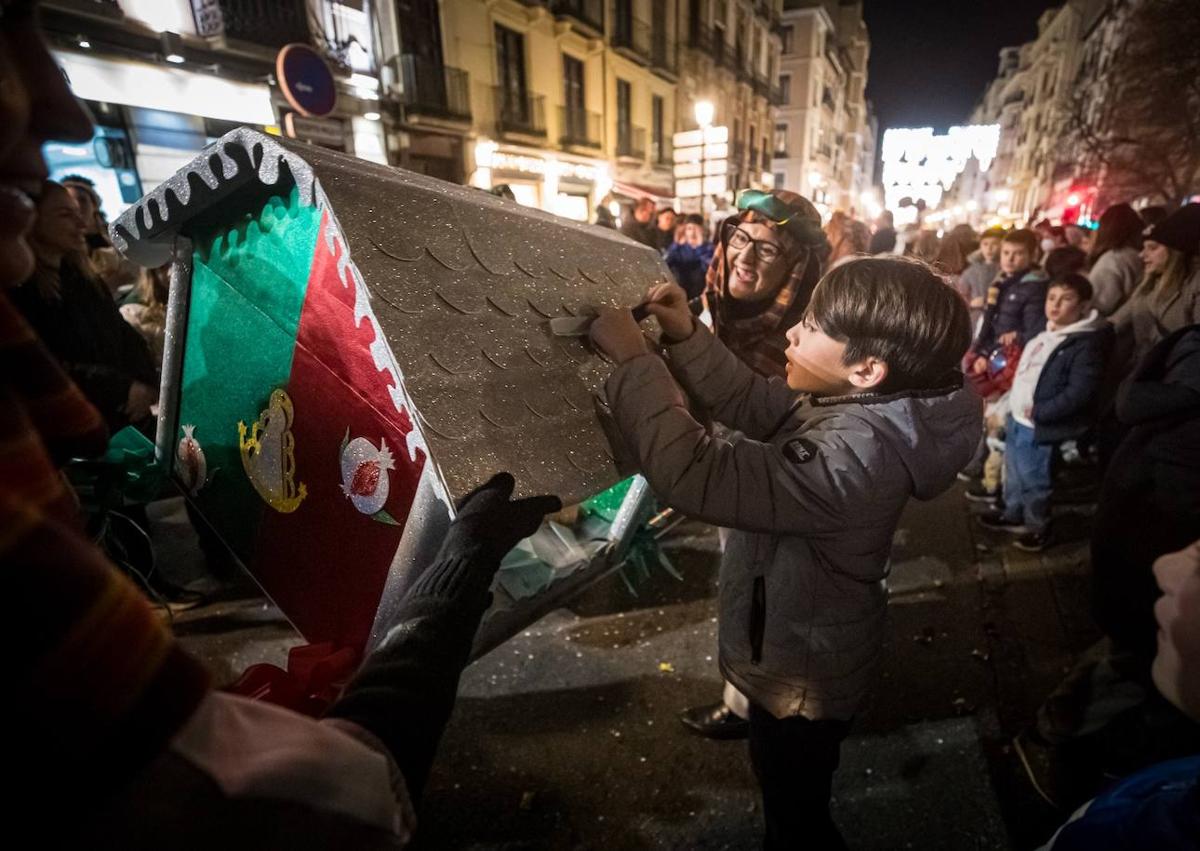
(1026, 477)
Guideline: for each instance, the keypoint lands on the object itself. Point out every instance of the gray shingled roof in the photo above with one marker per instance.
(462, 285)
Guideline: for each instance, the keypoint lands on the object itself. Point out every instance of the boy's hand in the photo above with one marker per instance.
(980, 366)
(669, 304)
(615, 333)
(1007, 339)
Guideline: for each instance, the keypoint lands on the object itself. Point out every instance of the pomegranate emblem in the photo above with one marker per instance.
(190, 464)
(365, 475)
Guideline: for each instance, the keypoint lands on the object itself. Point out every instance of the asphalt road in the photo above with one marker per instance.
(567, 735)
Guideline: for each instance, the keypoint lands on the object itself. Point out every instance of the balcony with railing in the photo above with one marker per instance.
(631, 142)
(662, 52)
(269, 23)
(578, 128)
(519, 112)
(433, 90)
(589, 13)
(661, 151)
(720, 51)
(631, 37)
(775, 95)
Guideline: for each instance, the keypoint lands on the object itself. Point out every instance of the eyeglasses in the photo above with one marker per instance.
(764, 249)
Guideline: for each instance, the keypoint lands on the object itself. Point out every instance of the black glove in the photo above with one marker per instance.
(405, 691)
(488, 525)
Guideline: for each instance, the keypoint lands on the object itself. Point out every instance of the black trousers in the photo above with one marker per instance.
(794, 760)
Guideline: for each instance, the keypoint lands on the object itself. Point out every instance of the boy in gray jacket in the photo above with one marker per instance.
(873, 411)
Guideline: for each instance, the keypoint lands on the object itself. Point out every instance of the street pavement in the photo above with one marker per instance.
(567, 735)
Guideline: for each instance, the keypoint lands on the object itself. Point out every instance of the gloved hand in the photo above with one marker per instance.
(405, 691)
(488, 525)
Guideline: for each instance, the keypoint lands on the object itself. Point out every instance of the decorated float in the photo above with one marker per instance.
(351, 348)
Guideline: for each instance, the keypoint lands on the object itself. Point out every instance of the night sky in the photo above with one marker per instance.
(930, 59)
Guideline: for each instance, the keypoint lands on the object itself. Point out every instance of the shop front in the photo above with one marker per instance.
(150, 120)
(566, 185)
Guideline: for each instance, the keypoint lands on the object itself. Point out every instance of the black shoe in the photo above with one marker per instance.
(997, 522)
(715, 721)
(1034, 542)
(978, 493)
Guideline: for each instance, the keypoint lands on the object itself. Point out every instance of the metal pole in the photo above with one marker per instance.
(175, 339)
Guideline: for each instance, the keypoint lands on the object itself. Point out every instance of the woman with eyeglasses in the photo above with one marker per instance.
(768, 259)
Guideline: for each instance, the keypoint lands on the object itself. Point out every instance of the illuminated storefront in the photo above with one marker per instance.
(563, 184)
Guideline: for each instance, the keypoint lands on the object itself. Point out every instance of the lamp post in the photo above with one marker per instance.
(704, 111)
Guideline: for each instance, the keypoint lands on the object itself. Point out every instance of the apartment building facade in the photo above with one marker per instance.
(731, 59)
(567, 102)
(823, 139)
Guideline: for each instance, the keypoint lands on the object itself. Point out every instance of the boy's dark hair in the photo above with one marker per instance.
(898, 310)
(1024, 237)
(1063, 261)
(1073, 281)
(694, 219)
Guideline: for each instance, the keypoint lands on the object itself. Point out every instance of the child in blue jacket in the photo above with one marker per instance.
(1015, 301)
(689, 260)
(1053, 399)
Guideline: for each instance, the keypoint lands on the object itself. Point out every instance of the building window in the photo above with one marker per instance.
(573, 97)
(781, 133)
(788, 34)
(510, 71)
(780, 179)
(657, 152)
(785, 88)
(624, 115)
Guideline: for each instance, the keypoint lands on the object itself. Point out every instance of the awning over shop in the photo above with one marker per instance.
(141, 84)
(633, 191)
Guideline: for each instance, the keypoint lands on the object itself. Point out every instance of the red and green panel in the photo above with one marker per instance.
(314, 500)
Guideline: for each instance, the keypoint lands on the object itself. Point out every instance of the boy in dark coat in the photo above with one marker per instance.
(872, 412)
(1014, 312)
(1052, 399)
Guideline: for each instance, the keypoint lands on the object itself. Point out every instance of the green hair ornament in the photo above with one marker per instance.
(806, 231)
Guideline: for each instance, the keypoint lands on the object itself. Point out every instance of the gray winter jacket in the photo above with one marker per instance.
(814, 492)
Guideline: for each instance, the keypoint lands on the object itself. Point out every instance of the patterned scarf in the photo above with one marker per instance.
(102, 684)
(758, 337)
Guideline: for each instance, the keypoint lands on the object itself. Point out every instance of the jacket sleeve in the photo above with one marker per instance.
(809, 486)
(1083, 381)
(290, 765)
(1147, 397)
(405, 691)
(1107, 284)
(1033, 314)
(986, 338)
(105, 387)
(736, 395)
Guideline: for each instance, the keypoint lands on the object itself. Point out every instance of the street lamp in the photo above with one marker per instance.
(704, 111)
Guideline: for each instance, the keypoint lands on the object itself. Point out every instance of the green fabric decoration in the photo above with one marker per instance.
(249, 281)
(606, 503)
(127, 474)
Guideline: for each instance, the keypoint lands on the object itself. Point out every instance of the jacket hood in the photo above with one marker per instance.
(934, 432)
(1092, 322)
